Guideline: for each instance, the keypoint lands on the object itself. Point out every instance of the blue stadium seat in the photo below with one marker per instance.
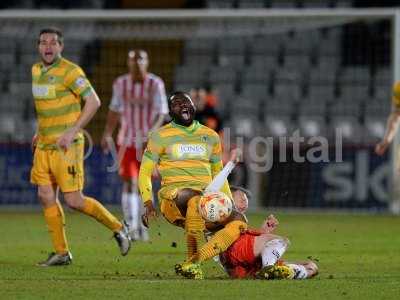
(312, 125)
(225, 93)
(378, 107)
(243, 105)
(316, 3)
(382, 83)
(245, 120)
(285, 3)
(374, 128)
(220, 3)
(354, 82)
(301, 42)
(268, 45)
(251, 3)
(255, 90)
(199, 59)
(314, 106)
(302, 62)
(263, 61)
(231, 51)
(280, 108)
(321, 92)
(277, 125)
(8, 126)
(190, 74)
(343, 3)
(289, 90)
(258, 73)
(347, 107)
(222, 74)
(288, 84)
(349, 127)
(200, 46)
(320, 75)
(233, 60)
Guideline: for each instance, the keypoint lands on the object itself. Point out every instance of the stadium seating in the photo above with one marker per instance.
(280, 108)
(377, 107)
(374, 129)
(349, 128)
(312, 125)
(277, 125)
(292, 75)
(251, 3)
(285, 3)
(382, 83)
(192, 75)
(220, 3)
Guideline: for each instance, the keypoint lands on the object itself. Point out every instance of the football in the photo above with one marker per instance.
(215, 206)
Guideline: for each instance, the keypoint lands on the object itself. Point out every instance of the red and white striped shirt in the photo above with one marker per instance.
(140, 104)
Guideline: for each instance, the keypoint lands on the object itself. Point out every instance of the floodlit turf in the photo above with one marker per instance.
(359, 258)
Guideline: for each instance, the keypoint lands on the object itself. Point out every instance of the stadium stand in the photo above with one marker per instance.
(291, 75)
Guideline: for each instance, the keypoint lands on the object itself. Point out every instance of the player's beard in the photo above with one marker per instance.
(185, 117)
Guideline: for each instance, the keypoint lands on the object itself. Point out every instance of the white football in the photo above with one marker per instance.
(215, 206)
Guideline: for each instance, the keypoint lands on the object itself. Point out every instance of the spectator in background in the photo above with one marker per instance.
(205, 109)
(211, 98)
(139, 102)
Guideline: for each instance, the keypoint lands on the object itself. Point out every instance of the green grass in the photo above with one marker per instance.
(358, 256)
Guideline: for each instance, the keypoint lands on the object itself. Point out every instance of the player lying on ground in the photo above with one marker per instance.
(260, 250)
(191, 268)
(188, 157)
(258, 253)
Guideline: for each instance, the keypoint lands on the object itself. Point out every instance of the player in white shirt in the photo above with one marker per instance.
(139, 104)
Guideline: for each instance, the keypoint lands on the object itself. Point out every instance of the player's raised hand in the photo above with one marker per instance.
(381, 147)
(150, 213)
(66, 139)
(270, 224)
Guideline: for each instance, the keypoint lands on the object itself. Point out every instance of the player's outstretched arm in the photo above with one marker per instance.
(146, 189)
(391, 128)
(92, 103)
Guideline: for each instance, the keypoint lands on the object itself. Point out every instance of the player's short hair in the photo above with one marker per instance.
(177, 94)
(55, 30)
(235, 188)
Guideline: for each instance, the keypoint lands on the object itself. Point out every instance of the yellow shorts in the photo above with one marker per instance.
(63, 168)
(168, 208)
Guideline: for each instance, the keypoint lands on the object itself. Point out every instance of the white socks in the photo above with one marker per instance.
(272, 251)
(132, 208)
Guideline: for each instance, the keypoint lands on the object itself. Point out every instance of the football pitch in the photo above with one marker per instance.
(358, 257)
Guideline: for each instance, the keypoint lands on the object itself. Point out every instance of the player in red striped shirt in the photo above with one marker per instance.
(139, 104)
